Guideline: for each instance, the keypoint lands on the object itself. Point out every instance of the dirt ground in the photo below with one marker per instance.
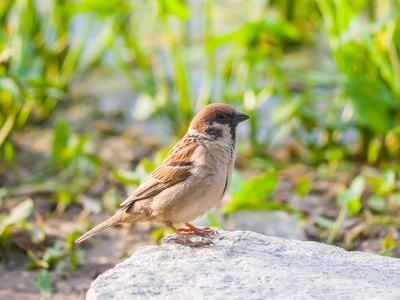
(99, 254)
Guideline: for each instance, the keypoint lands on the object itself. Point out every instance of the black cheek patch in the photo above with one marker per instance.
(214, 132)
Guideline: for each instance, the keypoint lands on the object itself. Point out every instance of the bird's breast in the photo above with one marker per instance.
(204, 189)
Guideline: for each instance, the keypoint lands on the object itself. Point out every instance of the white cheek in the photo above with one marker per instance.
(225, 129)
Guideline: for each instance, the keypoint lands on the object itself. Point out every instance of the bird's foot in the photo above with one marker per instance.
(188, 242)
(202, 231)
(183, 240)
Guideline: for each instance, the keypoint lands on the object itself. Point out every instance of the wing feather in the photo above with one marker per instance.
(175, 168)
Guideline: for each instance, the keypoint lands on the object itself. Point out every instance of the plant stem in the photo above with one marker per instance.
(338, 223)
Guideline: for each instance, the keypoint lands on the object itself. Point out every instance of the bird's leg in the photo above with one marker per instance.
(182, 239)
(203, 231)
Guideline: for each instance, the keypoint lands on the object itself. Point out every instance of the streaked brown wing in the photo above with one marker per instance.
(175, 168)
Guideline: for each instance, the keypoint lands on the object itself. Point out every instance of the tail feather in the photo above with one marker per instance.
(114, 220)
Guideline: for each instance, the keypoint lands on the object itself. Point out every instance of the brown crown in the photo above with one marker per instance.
(209, 114)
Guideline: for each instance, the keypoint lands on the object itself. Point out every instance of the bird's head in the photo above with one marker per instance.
(217, 121)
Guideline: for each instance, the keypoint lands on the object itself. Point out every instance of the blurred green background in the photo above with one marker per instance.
(94, 93)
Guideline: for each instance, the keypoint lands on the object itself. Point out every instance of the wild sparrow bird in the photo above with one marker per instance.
(190, 181)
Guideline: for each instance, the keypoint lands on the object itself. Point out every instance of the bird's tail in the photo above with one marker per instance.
(114, 220)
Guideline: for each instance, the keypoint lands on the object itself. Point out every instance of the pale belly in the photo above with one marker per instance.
(190, 199)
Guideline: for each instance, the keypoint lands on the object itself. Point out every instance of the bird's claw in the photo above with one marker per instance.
(188, 242)
(202, 231)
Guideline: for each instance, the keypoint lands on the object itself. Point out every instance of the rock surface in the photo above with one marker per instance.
(247, 265)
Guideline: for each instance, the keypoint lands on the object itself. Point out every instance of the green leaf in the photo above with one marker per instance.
(354, 206)
(147, 165)
(37, 263)
(75, 259)
(253, 191)
(257, 188)
(372, 103)
(60, 141)
(105, 8)
(19, 213)
(374, 148)
(64, 197)
(176, 8)
(376, 203)
(71, 239)
(270, 205)
(9, 152)
(163, 153)
(125, 177)
(333, 154)
(354, 192)
(53, 255)
(281, 28)
(384, 184)
(388, 242)
(303, 186)
(352, 196)
(159, 157)
(395, 130)
(389, 182)
(44, 283)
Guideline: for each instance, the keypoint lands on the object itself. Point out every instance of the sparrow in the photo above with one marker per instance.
(190, 181)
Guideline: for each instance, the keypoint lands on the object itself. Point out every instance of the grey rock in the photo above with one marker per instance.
(247, 265)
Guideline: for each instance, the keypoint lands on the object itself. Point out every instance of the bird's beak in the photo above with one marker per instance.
(239, 117)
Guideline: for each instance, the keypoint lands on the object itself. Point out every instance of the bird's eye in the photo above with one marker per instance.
(221, 116)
